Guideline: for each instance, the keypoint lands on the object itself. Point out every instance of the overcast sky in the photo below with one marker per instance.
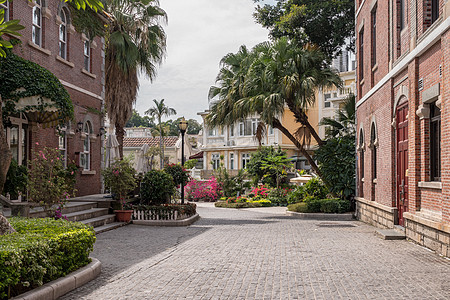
(199, 34)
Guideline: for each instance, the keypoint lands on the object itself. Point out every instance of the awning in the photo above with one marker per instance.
(198, 155)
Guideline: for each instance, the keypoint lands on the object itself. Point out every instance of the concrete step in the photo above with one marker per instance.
(102, 200)
(109, 226)
(99, 221)
(390, 234)
(70, 207)
(86, 214)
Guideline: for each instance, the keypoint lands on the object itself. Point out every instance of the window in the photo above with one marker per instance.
(434, 10)
(326, 102)
(17, 138)
(401, 15)
(36, 34)
(245, 159)
(63, 35)
(248, 127)
(62, 146)
(373, 18)
(361, 55)
(270, 130)
(212, 132)
(85, 156)
(232, 130)
(373, 139)
(231, 161)
(361, 162)
(87, 56)
(435, 142)
(215, 161)
(5, 7)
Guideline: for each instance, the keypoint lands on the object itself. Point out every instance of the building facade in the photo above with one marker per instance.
(236, 143)
(50, 40)
(403, 112)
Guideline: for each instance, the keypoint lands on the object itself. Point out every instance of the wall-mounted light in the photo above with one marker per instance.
(101, 131)
(79, 126)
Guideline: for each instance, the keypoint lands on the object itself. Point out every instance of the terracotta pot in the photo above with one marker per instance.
(123, 215)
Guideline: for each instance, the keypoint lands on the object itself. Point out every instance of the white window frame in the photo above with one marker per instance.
(212, 131)
(36, 31)
(22, 125)
(245, 158)
(87, 55)
(215, 159)
(254, 126)
(271, 132)
(86, 153)
(63, 39)
(232, 130)
(231, 161)
(62, 146)
(5, 7)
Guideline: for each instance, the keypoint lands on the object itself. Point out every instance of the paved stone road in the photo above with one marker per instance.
(262, 254)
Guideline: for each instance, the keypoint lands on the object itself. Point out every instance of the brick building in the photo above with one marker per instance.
(50, 40)
(403, 114)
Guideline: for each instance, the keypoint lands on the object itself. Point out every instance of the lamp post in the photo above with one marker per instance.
(182, 126)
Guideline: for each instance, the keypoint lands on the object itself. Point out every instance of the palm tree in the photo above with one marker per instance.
(158, 111)
(135, 43)
(344, 122)
(266, 80)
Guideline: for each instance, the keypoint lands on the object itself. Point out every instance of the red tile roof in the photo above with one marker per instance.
(137, 142)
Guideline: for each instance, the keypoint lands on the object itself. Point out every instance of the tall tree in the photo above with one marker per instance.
(158, 111)
(266, 80)
(135, 43)
(328, 24)
(137, 120)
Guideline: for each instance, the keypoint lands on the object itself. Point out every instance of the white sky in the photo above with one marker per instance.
(199, 34)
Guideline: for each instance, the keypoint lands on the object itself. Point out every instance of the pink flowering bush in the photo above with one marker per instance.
(208, 191)
(260, 191)
(49, 184)
(119, 178)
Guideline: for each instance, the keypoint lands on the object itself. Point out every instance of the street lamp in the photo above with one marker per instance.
(182, 126)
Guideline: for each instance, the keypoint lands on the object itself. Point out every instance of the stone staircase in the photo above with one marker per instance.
(90, 210)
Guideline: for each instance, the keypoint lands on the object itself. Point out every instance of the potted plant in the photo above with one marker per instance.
(119, 178)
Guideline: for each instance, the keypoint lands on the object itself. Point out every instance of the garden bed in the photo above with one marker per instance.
(40, 251)
(250, 204)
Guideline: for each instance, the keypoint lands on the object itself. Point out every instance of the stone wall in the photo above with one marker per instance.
(375, 213)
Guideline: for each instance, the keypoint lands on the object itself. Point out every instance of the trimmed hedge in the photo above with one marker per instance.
(252, 204)
(40, 251)
(332, 206)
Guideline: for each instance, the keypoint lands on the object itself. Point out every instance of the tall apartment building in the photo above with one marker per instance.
(403, 114)
(50, 40)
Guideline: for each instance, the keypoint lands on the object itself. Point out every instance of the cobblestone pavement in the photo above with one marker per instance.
(262, 254)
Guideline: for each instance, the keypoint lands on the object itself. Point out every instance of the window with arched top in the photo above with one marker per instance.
(63, 34)
(36, 34)
(85, 155)
(373, 143)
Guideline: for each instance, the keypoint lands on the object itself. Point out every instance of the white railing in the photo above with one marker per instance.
(157, 214)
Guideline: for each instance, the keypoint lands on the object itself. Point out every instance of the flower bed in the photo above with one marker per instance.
(321, 206)
(242, 202)
(164, 212)
(40, 251)
(198, 190)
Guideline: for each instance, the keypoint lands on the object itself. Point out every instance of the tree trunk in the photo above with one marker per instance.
(277, 124)
(120, 133)
(302, 118)
(5, 152)
(161, 147)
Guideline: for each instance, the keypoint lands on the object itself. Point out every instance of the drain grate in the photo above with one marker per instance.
(335, 225)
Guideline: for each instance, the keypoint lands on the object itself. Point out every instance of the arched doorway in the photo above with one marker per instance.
(402, 159)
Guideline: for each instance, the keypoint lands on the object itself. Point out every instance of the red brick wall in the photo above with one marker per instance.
(86, 184)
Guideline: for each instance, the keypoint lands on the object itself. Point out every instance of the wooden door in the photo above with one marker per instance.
(402, 161)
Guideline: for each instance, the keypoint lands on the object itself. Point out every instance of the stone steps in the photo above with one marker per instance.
(86, 214)
(109, 226)
(99, 221)
(390, 234)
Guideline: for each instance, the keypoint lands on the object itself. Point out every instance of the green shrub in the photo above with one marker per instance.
(162, 211)
(314, 206)
(251, 204)
(300, 207)
(315, 187)
(119, 179)
(296, 195)
(329, 206)
(278, 196)
(156, 187)
(40, 251)
(333, 206)
(178, 173)
(344, 206)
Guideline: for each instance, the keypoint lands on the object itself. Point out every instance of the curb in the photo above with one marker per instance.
(185, 222)
(54, 289)
(320, 216)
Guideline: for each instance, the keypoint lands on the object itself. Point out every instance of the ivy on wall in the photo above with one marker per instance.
(21, 78)
(87, 22)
